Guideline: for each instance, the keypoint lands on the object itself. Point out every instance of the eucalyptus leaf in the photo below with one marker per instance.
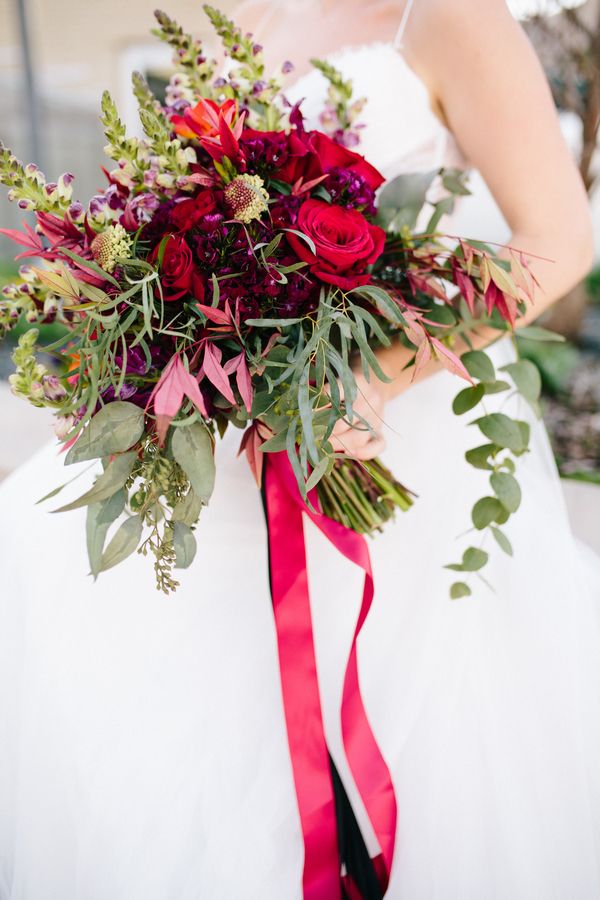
(459, 589)
(188, 509)
(114, 477)
(478, 365)
(535, 333)
(506, 487)
(502, 430)
(123, 543)
(527, 379)
(467, 399)
(502, 541)
(193, 449)
(115, 428)
(479, 456)
(474, 559)
(100, 517)
(274, 444)
(184, 544)
(486, 511)
(317, 473)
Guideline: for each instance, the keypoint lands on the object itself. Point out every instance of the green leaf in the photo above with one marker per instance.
(317, 473)
(123, 543)
(459, 589)
(114, 429)
(193, 449)
(274, 444)
(502, 430)
(100, 517)
(485, 511)
(478, 365)
(184, 544)
(527, 379)
(114, 477)
(496, 387)
(188, 509)
(525, 434)
(467, 399)
(535, 333)
(474, 559)
(479, 456)
(502, 540)
(501, 519)
(506, 487)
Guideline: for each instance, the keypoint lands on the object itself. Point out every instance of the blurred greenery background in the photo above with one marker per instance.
(52, 76)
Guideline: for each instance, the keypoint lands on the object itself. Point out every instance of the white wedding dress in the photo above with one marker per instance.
(143, 751)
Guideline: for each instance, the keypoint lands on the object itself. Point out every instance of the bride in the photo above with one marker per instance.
(143, 753)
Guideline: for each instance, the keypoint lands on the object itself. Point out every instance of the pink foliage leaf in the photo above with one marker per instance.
(174, 384)
(449, 359)
(251, 443)
(215, 373)
(422, 357)
(28, 238)
(214, 314)
(244, 383)
(466, 287)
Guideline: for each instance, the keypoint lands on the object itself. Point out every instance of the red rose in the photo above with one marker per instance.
(178, 274)
(312, 153)
(332, 155)
(188, 213)
(345, 243)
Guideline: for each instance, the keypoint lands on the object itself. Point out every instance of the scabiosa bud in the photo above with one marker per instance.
(76, 211)
(109, 245)
(246, 197)
(287, 67)
(65, 191)
(53, 389)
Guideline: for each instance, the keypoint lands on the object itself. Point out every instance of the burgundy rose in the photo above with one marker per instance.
(187, 213)
(178, 274)
(312, 153)
(345, 243)
(332, 155)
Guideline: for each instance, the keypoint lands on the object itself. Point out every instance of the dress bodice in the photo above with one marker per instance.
(401, 133)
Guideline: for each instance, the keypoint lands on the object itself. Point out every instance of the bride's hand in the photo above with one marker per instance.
(356, 439)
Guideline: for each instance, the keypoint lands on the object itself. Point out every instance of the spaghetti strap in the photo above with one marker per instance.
(402, 25)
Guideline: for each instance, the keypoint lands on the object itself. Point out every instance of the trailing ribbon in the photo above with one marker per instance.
(316, 781)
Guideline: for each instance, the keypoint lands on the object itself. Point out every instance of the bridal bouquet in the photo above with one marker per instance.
(235, 272)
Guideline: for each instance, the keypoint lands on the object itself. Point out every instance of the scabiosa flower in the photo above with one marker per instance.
(246, 197)
(109, 245)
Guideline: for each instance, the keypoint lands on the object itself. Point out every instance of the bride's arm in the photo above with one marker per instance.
(488, 85)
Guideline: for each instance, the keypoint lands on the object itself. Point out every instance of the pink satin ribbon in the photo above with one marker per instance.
(308, 748)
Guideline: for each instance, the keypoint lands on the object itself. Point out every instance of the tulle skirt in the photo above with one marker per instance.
(143, 752)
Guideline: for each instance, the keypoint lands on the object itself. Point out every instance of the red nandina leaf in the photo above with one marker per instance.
(174, 384)
(215, 373)
(466, 287)
(427, 286)
(422, 357)
(29, 238)
(493, 295)
(244, 382)
(449, 359)
(250, 444)
(214, 314)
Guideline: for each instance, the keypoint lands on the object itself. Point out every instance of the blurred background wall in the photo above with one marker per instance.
(79, 48)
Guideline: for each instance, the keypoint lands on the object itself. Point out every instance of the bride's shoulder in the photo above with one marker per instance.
(458, 16)
(437, 27)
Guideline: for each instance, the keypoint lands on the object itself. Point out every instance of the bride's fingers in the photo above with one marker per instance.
(371, 449)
